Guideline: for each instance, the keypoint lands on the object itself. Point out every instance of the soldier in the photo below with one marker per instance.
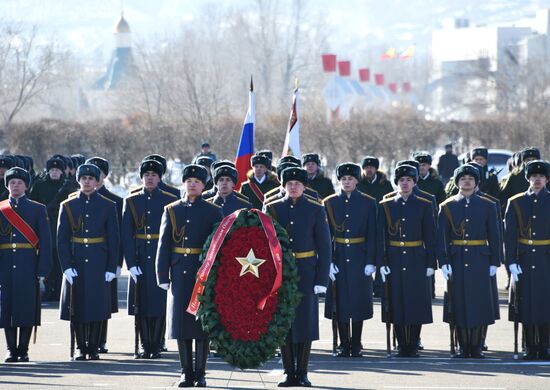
(45, 191)
(206, 162)
(226, 178)
(207, 195)
(103, 166)
(185, 226)
(407, 254)
(25, 258)
(447, 164)
(306, 223)
(140, 234)
(527, 257)
(260, 181)
(352, 217)
(373, 181)
(205, 151)
(315, 178)
(514, 182)
(162, 185)
(279, 192)
(269, 154)
(428, 179)
(6, 162)
(88, 246)
(468, 250)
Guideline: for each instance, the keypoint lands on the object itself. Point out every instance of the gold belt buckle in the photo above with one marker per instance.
(402, 243)
(465, 242)
(148, 236)
(346, 240)
(85, 241)
(187, 250)
(14, 245)
(530, 242)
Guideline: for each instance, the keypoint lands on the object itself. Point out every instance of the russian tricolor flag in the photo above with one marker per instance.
(246, 145)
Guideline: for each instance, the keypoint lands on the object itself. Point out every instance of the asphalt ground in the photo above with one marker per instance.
(50, 366)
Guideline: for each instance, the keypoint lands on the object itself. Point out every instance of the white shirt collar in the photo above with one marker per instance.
(260, 180)
(373, 178)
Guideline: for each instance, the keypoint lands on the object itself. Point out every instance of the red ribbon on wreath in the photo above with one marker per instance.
(217, 241)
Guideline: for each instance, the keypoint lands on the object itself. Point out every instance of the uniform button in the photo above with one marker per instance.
(534, 234)
(347, 245)
(404, 252)
(292, 222)
(347, 230)
(148, 212)
(86, 245)
(14, 266)
(291, 206)
(465, 249)
(467, 235)
(148, 242)
(188, 221)
(148, 198)
(535, 201)
(403, 219)
(404, 268)
(15, 250)
(15, 206)
(87, 231)
(87, 215)
(534, 216)
(404, 235)
(403, 203)
(148, 257)
(185, 255)
(346, 201)
(14, 235)
(347, 215)
(185, 238)
(534, 250)
(465, 265)
(532, 267)
(148, 227)
(467, 220)
(466, 206)
(347, 260)
(87, 202)
(184, 272)
(86, 260)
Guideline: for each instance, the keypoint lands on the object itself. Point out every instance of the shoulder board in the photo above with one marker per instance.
(423, 200)
(271, 192)
(516, 196)
(171, 205)
(312, 190)
(425, 192)
(367, 196)
(390, 195)
(104, 197)
(449, 200)
(242, 200)
(330, 197)
(274, 202)
(132, 195)
(72, 195)
(210, 200)
(387, 199)
(490, 197)
(35, 202)
(214, 204)
(171, 186)
(242, 196)
(168, 194)
(487, 199)
(313, 200)
(137, 189)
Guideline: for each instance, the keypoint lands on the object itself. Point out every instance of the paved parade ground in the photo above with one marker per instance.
(51, 368)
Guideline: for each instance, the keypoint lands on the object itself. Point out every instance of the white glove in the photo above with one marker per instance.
(41, 279)
(135, 271)
(319, 289)
(447, 271)
(370, 269)
(384, 271)
(515, 270)
(69, 274)
(109, 276)
(492, 270)
(333, 271)
(118, 271)
(164, 286)
(430, 272)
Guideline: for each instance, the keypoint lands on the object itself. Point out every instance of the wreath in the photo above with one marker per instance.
(244, 309)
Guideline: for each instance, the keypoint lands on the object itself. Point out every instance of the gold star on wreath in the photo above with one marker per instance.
(250, 264)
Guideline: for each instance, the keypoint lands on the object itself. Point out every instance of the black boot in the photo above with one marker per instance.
(287, 355)
(476, 343)
(156, 331)
(80, 337)
(302, 363)
(145, 336)
(345, 342)
(414, 340)
(530, 342)
(11, 342)
(185, 349)
(201, 355)
(356, 333)
(24, 339)
(463, 343)
(399, 332)
(484, 346)
(103, 337)
(543, 342)
(93, 339)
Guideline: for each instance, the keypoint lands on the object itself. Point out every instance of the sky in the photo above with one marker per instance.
(86, 25)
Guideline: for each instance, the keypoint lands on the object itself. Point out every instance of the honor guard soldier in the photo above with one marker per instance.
(141, 217)
(206, 162)
(225, 178)
(88, 246)
(162, 185)
(25, 257)
(428, 179)
(352, 219)
(469, 254)
(305, 220)
(103, 166)
(6, 162)
(269, 154)
(207, 195)
(528, 258)
(514, 182)
(279, 192)
(315, 178)
(45, 191)
(407, 259)
(260, 181)
(185, 227)
(373, 182)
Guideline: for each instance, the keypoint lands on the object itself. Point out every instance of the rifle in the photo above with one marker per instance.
(387, 313)
(516, 318)
(136, 319)
(71, 314)
(334, 321)
(37, 312)
(451, 315)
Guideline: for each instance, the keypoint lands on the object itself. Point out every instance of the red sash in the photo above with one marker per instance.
(18, 222)
(259, 194)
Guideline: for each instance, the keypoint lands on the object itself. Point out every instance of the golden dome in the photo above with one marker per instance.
(122, 25)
